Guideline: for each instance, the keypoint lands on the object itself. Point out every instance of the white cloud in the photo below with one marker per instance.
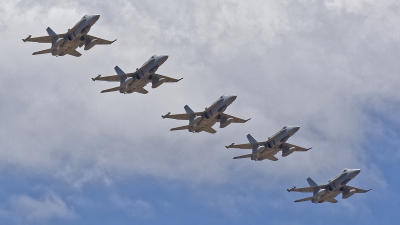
(26, 209)
(136, 209)
(306, 69)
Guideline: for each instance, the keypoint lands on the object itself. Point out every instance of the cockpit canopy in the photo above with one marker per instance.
(285, 127)
(345, 170)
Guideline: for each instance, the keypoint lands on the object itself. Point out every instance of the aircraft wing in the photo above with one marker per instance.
(298, 148)
(332, 200)
(304, 199)
(245, 146)
(100, 41)
(113, 78)
(306, 189)
(167, 79)
(111, 89)
(242, 156)
(185, 116)
(235, 119)
(44, 39)
(358, 190)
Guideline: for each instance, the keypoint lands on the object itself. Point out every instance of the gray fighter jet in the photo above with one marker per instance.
(329, 191)
(140, 78)
(62, 44)
(203, 121)
(274, 144)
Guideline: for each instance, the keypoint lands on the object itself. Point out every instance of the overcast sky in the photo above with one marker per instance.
(71, 155)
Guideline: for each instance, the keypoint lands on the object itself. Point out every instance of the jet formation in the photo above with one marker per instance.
(67, 43)
(334, 187)
(268, 149)
(135, 82)
(205, 120)
(77, 36)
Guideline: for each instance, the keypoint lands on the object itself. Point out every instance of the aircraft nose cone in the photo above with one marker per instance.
(354, 172)
(162, 59)
(296, 128)
(95, 17)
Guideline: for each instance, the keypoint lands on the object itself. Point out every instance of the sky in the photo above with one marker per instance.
(71, 155)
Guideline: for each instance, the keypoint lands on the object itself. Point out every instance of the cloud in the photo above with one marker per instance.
(309, 64)
(26, 209)
(136, 209)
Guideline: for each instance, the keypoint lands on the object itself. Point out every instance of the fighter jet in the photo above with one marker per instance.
(62, 44)
(329, 191)
(274, 144)
(140, 78)
(203, 121)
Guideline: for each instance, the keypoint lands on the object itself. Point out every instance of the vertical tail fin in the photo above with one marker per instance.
(51, 32)
(121, 73)
(313, 184)
(251, 139)
(188, 109)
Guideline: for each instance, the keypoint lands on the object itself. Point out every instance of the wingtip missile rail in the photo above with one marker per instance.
(289, 190)
(24, 40)
(95, 78)
(228, 146)
(166, 115)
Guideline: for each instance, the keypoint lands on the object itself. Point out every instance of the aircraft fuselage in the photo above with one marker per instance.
(146, 75)
(336, 185)
(75, 38)
(274, 143)
(212, 114)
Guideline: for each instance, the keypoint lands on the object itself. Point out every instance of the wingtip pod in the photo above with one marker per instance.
(24, 40)
(166, 115)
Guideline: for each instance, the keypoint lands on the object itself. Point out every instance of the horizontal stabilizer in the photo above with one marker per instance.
(242, 156)
(43, 51)
(304, 199)
(74, 53)
(332, 200)
(180, 128)
(210, 130)
(141, 91)
(111, 89)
